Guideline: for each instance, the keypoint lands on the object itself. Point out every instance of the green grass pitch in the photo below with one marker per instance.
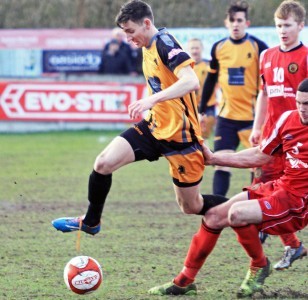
(144, 235)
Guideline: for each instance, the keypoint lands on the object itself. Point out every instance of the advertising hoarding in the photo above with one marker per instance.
(64, 101)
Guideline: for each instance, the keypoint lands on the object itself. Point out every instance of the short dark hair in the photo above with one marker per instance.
(238, 6)
(303, 86)
(135, 11)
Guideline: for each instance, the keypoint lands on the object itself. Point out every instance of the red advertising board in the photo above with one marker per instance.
(64, 101)
(54, 38)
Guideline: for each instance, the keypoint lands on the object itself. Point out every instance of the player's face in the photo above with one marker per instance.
(237, 25)
(288, 31)
(195, 50)
(136, 33)
(302, 106)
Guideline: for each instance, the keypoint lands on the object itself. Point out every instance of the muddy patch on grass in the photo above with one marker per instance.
(284, 293)
(34, 206)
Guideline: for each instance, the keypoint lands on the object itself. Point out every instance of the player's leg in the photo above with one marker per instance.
(201, 246)
(186, 167)
(294, 250)
(281, 212)
(187, 189)
(133, 144)
(222, 177)
(242, 217)
(244, 134)
(225, 140)
(293, 247)
(260, 267)
(189, 198)
(118, 153)
(204, 241)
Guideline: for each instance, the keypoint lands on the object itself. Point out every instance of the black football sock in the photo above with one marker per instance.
(221, 182)
(99, 186)
(210, 201)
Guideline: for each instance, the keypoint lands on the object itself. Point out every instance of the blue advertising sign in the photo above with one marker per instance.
(71, 60)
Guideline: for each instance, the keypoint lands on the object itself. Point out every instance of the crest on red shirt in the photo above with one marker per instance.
(293, 68)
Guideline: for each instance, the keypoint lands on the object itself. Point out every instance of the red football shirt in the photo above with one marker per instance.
(290, 138)
(282, 72)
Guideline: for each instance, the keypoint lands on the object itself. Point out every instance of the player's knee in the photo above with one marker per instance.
(235, 215)
(188, 207)
(101, 165)
(214, 220)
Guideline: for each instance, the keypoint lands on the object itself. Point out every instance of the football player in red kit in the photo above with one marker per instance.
(275, 207)
(289, 19)
(282, 68)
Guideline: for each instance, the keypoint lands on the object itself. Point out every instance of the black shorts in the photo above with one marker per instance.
(186, 160)
(229, 133)
(144, 144)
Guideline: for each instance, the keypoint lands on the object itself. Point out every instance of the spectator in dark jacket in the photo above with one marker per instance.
(133, 55)
(114, 60)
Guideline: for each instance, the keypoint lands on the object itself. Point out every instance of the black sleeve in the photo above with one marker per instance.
(208, 90)
(210, 81)
(261, 45)
(170, 52)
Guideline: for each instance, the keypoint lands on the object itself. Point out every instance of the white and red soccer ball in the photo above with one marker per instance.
(83, 274)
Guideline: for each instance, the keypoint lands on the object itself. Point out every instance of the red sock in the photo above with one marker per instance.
(201, 245)
(248, 237)
(290, 239)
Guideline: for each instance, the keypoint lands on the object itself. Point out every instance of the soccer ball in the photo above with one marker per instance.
(83, 274)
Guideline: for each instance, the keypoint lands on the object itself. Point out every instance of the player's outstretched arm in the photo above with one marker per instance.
(248, 158)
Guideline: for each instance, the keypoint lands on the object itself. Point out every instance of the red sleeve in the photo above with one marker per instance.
(272, 143)
(261, 66)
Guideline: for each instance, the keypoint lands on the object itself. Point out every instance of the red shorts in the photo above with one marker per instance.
(282, 212)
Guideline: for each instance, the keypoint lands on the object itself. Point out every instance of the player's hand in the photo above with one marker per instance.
(136, 108)
(254, 137)
(208, 154)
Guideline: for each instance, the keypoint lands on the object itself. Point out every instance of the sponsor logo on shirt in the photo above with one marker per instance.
(275, 90)
(174, 52)
(267, 65)
(288, 137)
(267, 205)
(280, 91)
(296, 163)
